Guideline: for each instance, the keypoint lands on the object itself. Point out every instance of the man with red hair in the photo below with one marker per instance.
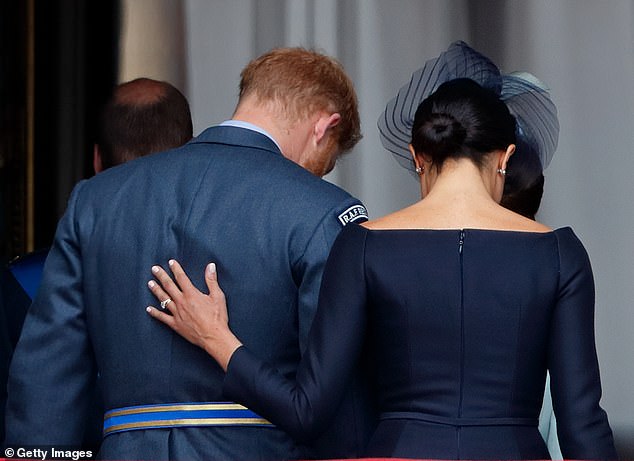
(248, 194)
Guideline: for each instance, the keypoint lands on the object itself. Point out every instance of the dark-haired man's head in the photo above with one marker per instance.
(143, 116)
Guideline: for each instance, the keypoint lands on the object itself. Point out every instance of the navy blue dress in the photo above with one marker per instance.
(460, 327)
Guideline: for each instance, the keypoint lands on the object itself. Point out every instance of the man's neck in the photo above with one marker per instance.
(250, 126)
(290, 137)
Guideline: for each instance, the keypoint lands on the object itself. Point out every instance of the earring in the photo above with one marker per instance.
(420, 170)
(502, 171)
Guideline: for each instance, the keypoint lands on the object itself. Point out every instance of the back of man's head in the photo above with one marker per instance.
(300, 82)
(143, 116)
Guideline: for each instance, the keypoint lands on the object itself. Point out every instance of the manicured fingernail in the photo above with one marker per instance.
(148, 309)
(151, 284)
(171, 262)
(211, 268)
(155, 269)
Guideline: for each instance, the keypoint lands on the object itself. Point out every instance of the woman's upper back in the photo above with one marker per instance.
(467, 314)
(464, 323)
(456, 209)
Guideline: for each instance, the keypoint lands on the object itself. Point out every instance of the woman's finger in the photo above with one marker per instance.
(211, 278)
(168, 285)
(160, 295)
(210, 273)
(180, 276)
(161, 316)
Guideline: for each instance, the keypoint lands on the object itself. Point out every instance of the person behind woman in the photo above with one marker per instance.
(523, 191)
(524, 184)
(464, 306)
(537, 134)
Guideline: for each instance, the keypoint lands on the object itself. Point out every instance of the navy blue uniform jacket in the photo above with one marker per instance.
(228, 196)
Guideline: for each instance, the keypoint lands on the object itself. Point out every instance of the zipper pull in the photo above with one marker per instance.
(461, 242)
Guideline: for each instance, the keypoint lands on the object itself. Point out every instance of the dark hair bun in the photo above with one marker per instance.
(443, 134)
(461, 119)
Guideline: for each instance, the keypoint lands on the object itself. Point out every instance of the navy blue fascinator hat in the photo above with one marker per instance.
(537, 126)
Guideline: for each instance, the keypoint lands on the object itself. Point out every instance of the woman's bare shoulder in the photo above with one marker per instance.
(401, 219)
(421, 217)
(517, 222)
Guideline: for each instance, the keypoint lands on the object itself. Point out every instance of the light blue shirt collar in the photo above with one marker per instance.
(250, 126)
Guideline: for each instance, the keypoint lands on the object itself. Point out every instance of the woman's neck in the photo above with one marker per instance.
(460, 181)
(460, 196)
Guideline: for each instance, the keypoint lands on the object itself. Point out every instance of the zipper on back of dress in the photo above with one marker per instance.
(460, 245)
(461, 241)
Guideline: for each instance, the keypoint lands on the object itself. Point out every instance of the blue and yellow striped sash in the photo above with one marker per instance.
(180, 415)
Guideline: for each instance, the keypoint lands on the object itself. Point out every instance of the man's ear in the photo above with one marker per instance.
(324, 123)
(96, 159)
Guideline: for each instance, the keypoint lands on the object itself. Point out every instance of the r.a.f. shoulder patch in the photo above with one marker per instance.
(352, 214)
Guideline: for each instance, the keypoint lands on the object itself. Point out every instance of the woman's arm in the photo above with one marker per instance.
(302, 406)
(582, 425)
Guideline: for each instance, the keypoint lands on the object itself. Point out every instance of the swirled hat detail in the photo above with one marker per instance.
(528, 100)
